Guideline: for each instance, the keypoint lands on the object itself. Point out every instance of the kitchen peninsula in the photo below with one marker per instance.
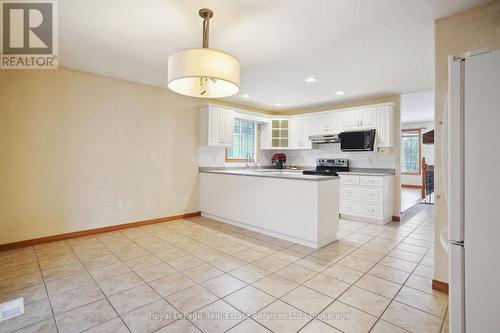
(281, 203)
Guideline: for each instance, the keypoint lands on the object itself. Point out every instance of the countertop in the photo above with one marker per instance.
(270, 173)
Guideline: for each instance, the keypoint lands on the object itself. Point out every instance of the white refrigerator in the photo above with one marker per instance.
(473, 191)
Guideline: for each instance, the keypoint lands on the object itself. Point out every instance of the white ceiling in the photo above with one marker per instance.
(366, 48)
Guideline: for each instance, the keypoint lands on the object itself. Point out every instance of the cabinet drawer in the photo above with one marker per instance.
(349, 179)
(361, 209)
(371, 180)
(360, 193)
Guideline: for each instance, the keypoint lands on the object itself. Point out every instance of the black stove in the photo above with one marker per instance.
(329, 167)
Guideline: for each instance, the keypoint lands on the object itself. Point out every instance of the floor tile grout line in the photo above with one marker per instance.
(272, 254)
(393, 299)
(98, 286)
(378, 318)
(46, 290)
(48, 299)
(165, 297)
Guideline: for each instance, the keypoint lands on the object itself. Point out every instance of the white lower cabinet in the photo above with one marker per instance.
(366, 198)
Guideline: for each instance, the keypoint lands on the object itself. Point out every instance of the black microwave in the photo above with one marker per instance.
(357, 141)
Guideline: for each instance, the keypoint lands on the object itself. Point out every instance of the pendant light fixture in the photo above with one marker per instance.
(204, 72)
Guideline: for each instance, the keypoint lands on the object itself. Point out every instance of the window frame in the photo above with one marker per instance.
(239, 160)
(419, 131)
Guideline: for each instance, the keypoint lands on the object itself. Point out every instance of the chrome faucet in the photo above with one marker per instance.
(247, 161)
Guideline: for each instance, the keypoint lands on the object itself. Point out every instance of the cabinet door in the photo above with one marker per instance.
(228, 127)
(318, 124)
(335, 124)
(284, 133)
(368, 118)
(385, 127)
(305, 131)
(215, 124)
(279, 133)
(265, 136)
(351, 120)
(295, 132)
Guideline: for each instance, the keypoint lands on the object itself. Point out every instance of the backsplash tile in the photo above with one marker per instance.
(214, 157)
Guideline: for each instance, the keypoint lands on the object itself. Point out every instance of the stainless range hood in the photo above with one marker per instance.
(325, 138)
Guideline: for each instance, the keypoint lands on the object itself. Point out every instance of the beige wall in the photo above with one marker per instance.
(73, 144)
(474, 29)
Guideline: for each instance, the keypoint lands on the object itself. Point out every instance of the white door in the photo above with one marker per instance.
(368, 118)
(481, 188)
(351, 120)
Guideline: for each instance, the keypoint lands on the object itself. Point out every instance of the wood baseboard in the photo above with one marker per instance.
(396, 218)
(54, 238)
(411, 186)
(440, 286)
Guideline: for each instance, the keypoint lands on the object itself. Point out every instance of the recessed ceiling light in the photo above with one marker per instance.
(245, 96)
(277, 104)
(340, 92)
(310, 79)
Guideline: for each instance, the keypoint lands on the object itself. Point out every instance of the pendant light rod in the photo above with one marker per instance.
(206, 14)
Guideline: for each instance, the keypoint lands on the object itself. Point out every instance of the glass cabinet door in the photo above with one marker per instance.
(279, 130)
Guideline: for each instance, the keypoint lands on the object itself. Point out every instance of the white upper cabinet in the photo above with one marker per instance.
(292, 132)
(326, 123)
(350, 120)
(216, 126)
(385, 126)
(368, 117)
(300, 130)
(228, 130)
(360, 119)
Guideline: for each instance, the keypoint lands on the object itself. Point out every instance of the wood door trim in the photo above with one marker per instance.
(41, 240)
(440, 286)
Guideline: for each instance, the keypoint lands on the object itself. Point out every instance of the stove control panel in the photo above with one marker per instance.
(332, 162)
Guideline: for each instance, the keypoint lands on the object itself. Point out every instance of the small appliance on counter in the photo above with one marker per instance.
(329, 167)
(357, 140)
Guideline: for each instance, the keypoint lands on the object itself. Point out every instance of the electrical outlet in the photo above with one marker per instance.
(119, 204)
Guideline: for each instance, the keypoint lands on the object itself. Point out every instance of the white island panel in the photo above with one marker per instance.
(302, 211)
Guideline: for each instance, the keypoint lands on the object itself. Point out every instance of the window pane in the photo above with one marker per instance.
(410, 152)
(244, 140)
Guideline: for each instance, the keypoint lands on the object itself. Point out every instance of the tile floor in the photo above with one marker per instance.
(224, 278)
